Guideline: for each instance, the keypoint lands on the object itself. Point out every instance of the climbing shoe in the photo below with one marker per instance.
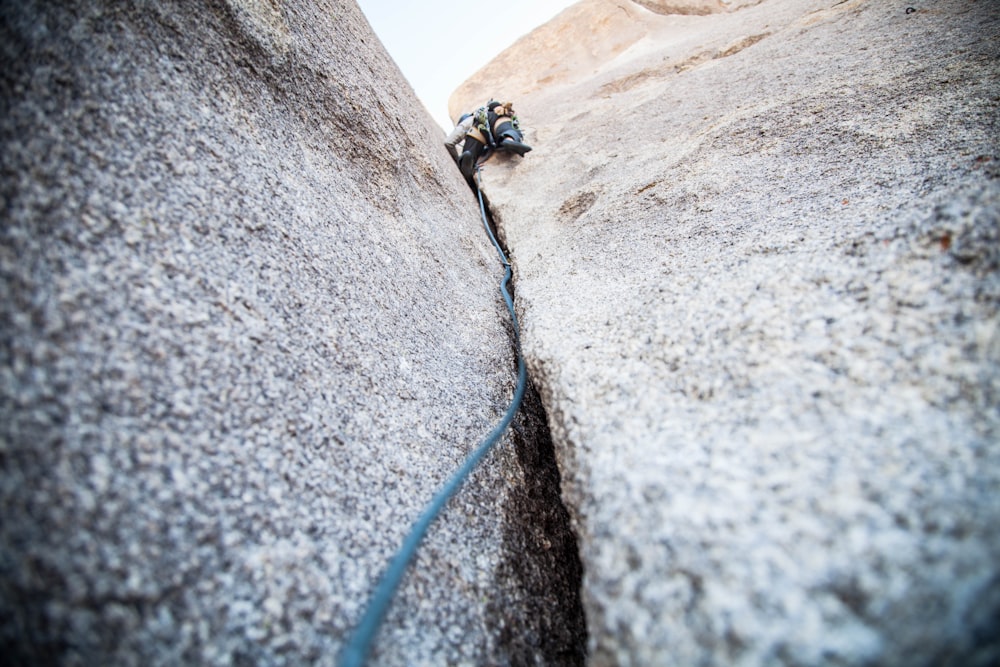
(509, 144)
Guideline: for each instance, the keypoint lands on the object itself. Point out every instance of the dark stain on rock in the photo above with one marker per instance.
(739, 45)
(577, 205)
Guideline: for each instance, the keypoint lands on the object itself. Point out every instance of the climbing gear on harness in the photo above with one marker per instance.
(496, 127)
(360, 644)
(483, 122)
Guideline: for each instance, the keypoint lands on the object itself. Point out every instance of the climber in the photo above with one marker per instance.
(492, 127)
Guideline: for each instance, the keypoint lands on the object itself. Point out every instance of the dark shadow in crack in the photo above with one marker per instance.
(542, 565)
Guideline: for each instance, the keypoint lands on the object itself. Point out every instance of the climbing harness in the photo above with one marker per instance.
(357, 649)
(494, 127)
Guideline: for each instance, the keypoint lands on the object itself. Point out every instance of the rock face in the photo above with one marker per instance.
(250, 323)
(581, 41)
(757, 262)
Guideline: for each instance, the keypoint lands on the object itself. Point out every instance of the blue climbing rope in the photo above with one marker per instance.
(357, 649)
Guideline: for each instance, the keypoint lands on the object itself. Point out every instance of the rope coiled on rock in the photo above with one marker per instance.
(358, 648)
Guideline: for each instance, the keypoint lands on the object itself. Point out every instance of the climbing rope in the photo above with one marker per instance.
(357, 649)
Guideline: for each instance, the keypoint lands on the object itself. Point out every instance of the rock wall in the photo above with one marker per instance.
(757, 270)
(250, 324)
(577, 44)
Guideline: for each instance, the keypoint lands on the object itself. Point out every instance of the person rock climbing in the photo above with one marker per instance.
(491, 127)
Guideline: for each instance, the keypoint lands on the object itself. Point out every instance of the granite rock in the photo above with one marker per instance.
(757, 272)
(250, 323)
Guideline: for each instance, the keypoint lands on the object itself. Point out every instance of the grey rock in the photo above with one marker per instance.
(250, 324)
(756, 267)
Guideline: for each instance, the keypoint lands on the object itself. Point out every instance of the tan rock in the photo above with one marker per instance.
(698, 7)
(695, 7)
(581, 38)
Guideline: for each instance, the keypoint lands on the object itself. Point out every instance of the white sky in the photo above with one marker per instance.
(438, 44)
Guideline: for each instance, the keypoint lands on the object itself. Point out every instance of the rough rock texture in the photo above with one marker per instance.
(757, 268)
(250, 322)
